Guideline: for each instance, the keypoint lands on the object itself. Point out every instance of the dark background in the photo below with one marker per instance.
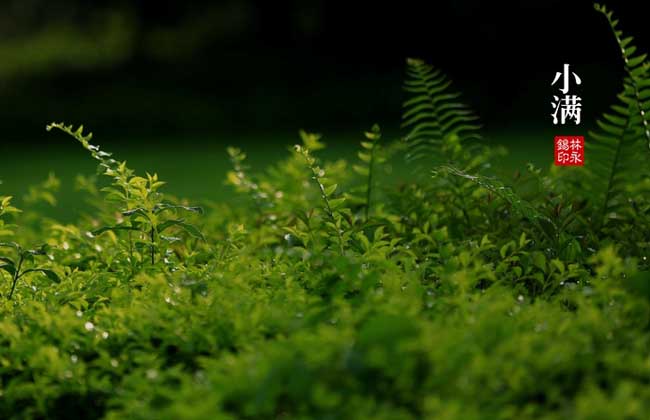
(167, 85)
(170, 68)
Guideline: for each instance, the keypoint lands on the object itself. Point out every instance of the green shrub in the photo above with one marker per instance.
(320, 294)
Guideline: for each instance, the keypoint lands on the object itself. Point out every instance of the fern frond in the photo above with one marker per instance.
(616, 150)
(506, 193)
(368, 157)
(432, 114)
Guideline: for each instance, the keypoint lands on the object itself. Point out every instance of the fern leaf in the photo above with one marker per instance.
(616, 149)
(506, 193)
(369, 157)
(432, 114)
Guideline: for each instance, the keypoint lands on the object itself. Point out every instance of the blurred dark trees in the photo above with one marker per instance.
(160, 66)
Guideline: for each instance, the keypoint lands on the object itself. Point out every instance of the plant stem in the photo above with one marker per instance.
(369, 189)
(16, 277)
(153, 259)
(329, 211)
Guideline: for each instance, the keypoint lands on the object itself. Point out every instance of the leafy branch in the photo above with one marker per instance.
(14, 266)
(326, 189)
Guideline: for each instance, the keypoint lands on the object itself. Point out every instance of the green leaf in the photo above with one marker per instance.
(559, 265)
(116, 228)
(168, 223)
(192, 230)
(330, 190)
(337, 203)
(361, 170)
(13, 245)
(522, 240)
(364, 157)
(504, 249)
(539, 260)
(47, 273)
(9, 268)
(162, 207)
(136, 211)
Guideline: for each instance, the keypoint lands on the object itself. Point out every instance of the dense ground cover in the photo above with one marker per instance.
(319, 292)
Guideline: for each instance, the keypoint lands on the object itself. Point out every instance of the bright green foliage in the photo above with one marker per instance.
(16, 267)
(142, 210)
(332, 205)
(323, 291)
(239, 177)
(44, 193)
(5, 210)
